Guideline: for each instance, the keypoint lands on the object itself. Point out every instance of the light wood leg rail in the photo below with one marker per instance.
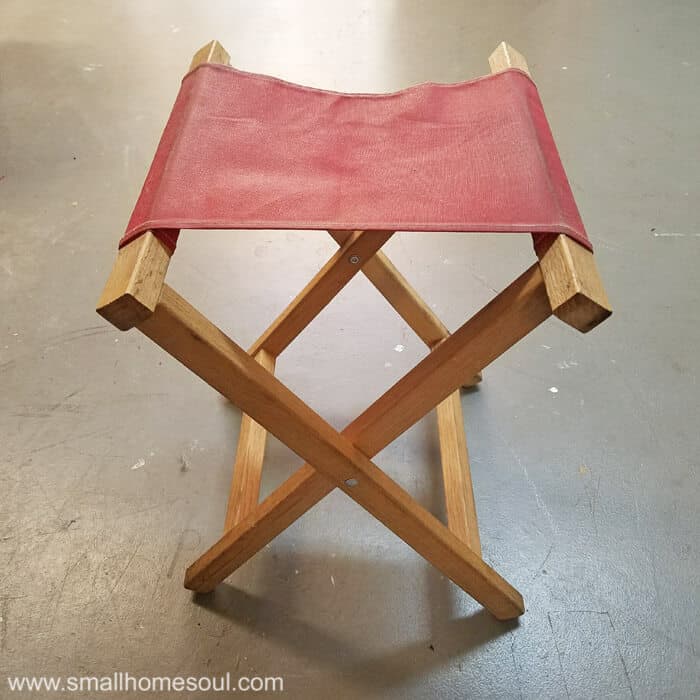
(135, 282)
(459, 493)
(574, 287)
(250, 454)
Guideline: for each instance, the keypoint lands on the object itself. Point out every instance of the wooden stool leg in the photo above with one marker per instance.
(137, 278)
(135, 283)
(574, 287)
(459, 493)
(213, 52)
(250, 454)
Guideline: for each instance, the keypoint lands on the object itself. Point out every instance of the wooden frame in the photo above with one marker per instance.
(564, 281)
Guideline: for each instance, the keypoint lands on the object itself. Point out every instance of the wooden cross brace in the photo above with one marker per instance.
(564, 281)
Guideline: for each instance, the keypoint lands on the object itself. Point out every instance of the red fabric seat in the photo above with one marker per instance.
(246, 151)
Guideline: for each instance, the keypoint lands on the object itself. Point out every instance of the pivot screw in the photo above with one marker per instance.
(351, 482)
(354, 259)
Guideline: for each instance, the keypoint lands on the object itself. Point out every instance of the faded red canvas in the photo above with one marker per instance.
(247, 151)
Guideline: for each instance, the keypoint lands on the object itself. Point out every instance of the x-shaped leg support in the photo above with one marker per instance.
(564, 282)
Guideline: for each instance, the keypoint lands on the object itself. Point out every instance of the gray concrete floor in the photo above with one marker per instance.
(587, 497)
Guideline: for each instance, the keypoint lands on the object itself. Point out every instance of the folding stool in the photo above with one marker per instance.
(245, 151)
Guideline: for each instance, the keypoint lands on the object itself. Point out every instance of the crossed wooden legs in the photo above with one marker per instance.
(564, 281)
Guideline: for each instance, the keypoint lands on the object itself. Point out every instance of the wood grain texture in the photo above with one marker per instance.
(574, 287)
(137, 277)
(189, 337)
(250, 455)
(135, 282)
(504, 57)
(213, 52)
(359, 248)
(459, 493)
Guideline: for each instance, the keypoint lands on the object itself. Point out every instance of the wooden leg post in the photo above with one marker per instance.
(135, 283)
(459, 493)
(574, 287)
(213, 52)
(250, 454)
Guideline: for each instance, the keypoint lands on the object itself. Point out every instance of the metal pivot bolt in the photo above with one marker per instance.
(351, 482)
(354, 259)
